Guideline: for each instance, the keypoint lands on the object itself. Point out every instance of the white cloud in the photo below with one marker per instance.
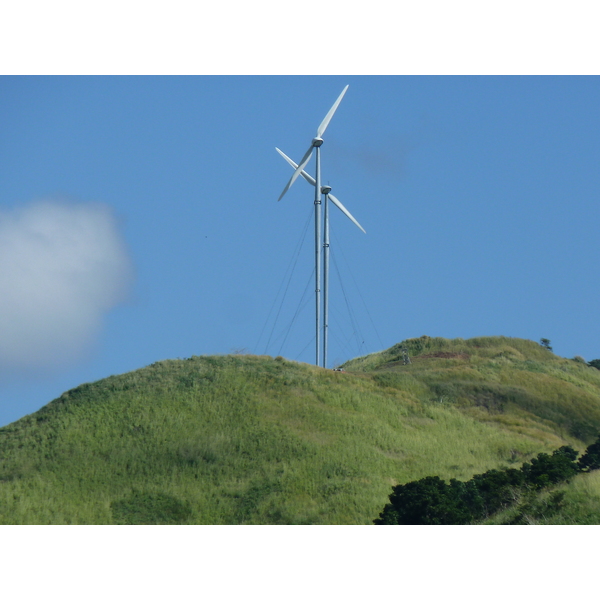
(63, 265)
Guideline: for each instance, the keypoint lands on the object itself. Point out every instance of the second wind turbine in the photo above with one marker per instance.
(299, 170)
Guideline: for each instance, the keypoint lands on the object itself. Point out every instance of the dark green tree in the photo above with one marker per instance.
(590, 459)
(497, 488)
(431, 501)
(546, 344)
(428, 501)
(595, 363)
(548, 469)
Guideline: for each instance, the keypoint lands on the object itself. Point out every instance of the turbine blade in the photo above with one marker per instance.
(325, 122)
(303, 173)
(345, 211)
(297, 172)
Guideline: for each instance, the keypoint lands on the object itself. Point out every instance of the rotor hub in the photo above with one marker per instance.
(317, 142)
(325, 189)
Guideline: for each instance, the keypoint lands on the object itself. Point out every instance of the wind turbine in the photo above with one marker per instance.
(326, 191)
(299, 169)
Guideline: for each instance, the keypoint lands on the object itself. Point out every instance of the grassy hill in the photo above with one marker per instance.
(574, 503)
(252, 439)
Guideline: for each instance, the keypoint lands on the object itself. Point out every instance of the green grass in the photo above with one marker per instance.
(576, 502)
(252, 439)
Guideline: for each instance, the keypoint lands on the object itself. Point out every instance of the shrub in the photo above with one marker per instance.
(591, 458)
(548, 469)
(431, 501)
(497, 489)
(428, 501)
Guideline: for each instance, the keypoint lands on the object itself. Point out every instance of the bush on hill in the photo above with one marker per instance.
(431, 501)
(549, 469)
(591, 458)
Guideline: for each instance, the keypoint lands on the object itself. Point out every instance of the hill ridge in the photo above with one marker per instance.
(255, 439)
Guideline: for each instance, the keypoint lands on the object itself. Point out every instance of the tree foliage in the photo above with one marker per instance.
(550, 469)
(428, 501)
(432, 501)
(590, 460)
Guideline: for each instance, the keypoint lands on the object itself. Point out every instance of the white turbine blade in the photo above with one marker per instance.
(345, 211)
(297, 172)
(295, 166)
(323, 125)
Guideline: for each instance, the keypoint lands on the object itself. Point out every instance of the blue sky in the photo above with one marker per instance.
(479, 196)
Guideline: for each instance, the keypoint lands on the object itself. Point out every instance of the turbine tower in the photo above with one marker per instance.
(319, 190)
(326, 191)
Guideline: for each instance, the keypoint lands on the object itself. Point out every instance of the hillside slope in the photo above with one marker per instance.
(576, 502)
(252, 439)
